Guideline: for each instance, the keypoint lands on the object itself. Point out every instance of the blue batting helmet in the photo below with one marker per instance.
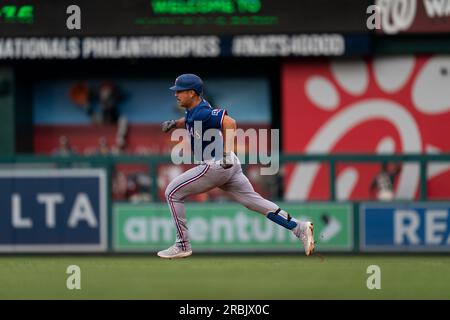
(188, 82)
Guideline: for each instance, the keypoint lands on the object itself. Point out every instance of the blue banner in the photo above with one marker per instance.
(415, 226)
(53, 210)
(213, 46)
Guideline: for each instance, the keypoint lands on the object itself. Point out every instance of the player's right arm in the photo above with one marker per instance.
(228, 133)
(173, 124)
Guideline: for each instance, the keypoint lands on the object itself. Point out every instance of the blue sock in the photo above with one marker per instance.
(283, 219)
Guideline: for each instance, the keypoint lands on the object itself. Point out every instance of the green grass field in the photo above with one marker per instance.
(225, 277)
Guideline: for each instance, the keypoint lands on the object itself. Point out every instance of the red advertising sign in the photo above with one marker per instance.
(413, 16)
(395, 104)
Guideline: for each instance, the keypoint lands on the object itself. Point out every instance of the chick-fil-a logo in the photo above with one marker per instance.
(386, 105)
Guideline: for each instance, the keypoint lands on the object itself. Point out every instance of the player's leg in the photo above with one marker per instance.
(240, 189)
(194, 181)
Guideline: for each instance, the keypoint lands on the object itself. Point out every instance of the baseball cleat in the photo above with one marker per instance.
(305, 232)
(174, 252)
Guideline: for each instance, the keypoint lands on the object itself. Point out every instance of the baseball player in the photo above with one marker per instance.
(220, 169)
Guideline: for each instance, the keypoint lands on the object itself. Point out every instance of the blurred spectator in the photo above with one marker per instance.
(64, 148)
(81, 96)
(121, 136)
(138, 187)
(383, 184)
(109, 97)
(120, 186)
(134, 187)
(103, 148)
(120, 147)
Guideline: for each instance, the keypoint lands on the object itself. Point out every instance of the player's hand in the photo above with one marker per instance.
(227, 161)
(168, 125)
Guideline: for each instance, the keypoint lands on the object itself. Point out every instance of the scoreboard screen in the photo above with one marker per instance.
(22, 18)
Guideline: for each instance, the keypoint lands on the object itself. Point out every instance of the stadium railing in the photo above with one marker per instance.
(153, 161)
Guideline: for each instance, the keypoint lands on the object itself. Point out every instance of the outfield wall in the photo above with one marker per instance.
(66, 210)
(53, 210)
(229, 227)
(404, 227)
(218, 227)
